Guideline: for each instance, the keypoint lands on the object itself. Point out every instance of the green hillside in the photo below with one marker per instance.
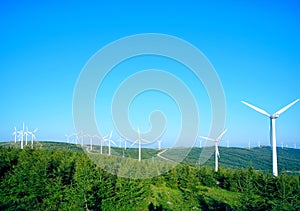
(260, 158)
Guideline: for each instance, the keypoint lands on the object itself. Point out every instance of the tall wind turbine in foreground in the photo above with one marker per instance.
(272, 117)
(216, 141)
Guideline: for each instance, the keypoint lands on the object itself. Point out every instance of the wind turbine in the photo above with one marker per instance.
(102, 140)
(82, 138)
(216, 141)
(33, 136)
(21, 136)
(15, 134)
(272, 117)
(26, 135)
(91, 141)
(109, 143)
(159, 144)
(139, 144)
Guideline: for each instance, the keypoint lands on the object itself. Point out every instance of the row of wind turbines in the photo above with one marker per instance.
(79, 139)
(272, 118)
(20, 134)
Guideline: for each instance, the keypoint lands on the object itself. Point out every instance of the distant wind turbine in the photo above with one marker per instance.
(33, 136)
(139, 144)
(272, 117)
(216, 142)
(109, 143)
(26, 135)
(15, 134)
(21, 136)
(91, 140)
(158, 144)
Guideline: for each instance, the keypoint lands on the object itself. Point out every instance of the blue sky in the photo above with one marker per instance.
(254, 47)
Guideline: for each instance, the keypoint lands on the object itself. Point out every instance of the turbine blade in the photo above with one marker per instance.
(134, 142)
(256, 109)
(146, 141)
(286, 107)
(206, 138)
(221, 135)
(217, 151)
(113, 142)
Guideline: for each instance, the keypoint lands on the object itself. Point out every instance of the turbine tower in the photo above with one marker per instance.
(15, 134)
(272, 117)
(26, 135)
(109, 143)
(21, 136)
(159, 144)
(32, 136)
(139, 144)
(216, 142)
(90, 137)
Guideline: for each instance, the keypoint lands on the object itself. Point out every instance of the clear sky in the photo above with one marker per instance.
(254, 47)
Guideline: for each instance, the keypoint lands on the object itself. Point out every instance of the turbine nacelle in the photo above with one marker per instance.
(274, 116)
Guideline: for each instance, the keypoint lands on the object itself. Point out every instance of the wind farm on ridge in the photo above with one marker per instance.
(96, 144)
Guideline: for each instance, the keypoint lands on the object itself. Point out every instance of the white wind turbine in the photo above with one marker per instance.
(76, 138)
(109, 143)
(91, 141)
(216, 141)
(21, 136)
(15, 134)
(26, 133)
(102, 140)
(158, 144)
(82, 138)
(139, 144)
(33, 136)
(272, 117)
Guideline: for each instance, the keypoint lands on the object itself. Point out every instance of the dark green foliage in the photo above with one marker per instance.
(43, 179)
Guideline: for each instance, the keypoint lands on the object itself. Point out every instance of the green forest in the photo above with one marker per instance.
(63, 177)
